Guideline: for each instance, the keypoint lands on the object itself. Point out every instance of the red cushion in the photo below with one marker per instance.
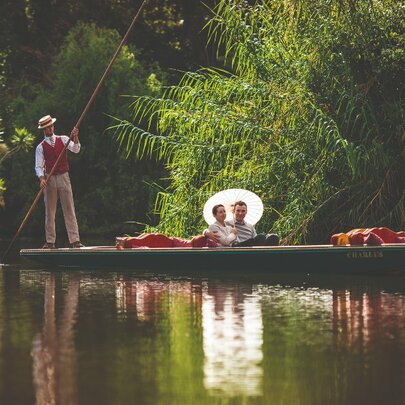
(372, 239)
(148, 240)
(370, 236)
(177, 242)
(158, 240)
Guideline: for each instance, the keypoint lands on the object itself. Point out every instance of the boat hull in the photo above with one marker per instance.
(315, 258)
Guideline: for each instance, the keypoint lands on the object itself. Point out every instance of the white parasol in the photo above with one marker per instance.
(228, 198)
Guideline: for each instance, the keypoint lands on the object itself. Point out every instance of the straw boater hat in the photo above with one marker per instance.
(46, 121)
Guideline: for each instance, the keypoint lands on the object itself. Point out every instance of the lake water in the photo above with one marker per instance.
(105, 337)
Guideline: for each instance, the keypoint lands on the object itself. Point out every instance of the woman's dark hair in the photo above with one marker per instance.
(215, 208)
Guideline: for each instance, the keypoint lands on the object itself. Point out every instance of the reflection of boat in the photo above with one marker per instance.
(308, 258)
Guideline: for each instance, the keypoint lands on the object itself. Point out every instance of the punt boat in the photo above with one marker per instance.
(387, 258)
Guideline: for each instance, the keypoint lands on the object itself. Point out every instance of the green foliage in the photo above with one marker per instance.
(169, 31)
(308, 113)
(21, 140)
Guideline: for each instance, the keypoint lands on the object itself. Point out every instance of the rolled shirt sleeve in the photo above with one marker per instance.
(73, 147)
(39, 161)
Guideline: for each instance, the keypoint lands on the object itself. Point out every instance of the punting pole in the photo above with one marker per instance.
(89, 103)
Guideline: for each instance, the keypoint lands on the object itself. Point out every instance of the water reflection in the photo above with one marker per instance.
(360, 318)
(53, 351)
(232, 340)
(145, 299)
(303, 328)
(231, 323)
(135, 339)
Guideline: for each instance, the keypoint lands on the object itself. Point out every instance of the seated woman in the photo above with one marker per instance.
(226, 235)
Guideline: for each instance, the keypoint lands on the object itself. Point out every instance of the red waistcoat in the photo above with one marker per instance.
(52, 153)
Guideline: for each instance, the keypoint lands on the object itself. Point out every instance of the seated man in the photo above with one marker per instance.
(247, 234)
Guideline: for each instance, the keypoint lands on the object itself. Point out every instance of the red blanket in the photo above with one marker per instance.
(158, 240)
(368, 236)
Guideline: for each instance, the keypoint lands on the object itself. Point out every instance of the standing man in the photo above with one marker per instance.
(58, 185)
(247, 234)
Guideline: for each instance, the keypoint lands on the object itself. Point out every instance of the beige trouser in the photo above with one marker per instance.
(59, 186)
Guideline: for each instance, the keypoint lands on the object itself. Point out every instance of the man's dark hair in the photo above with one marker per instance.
(240, 203)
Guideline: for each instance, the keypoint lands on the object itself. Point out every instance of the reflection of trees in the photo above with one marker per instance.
(53, 352)
(169, 312)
